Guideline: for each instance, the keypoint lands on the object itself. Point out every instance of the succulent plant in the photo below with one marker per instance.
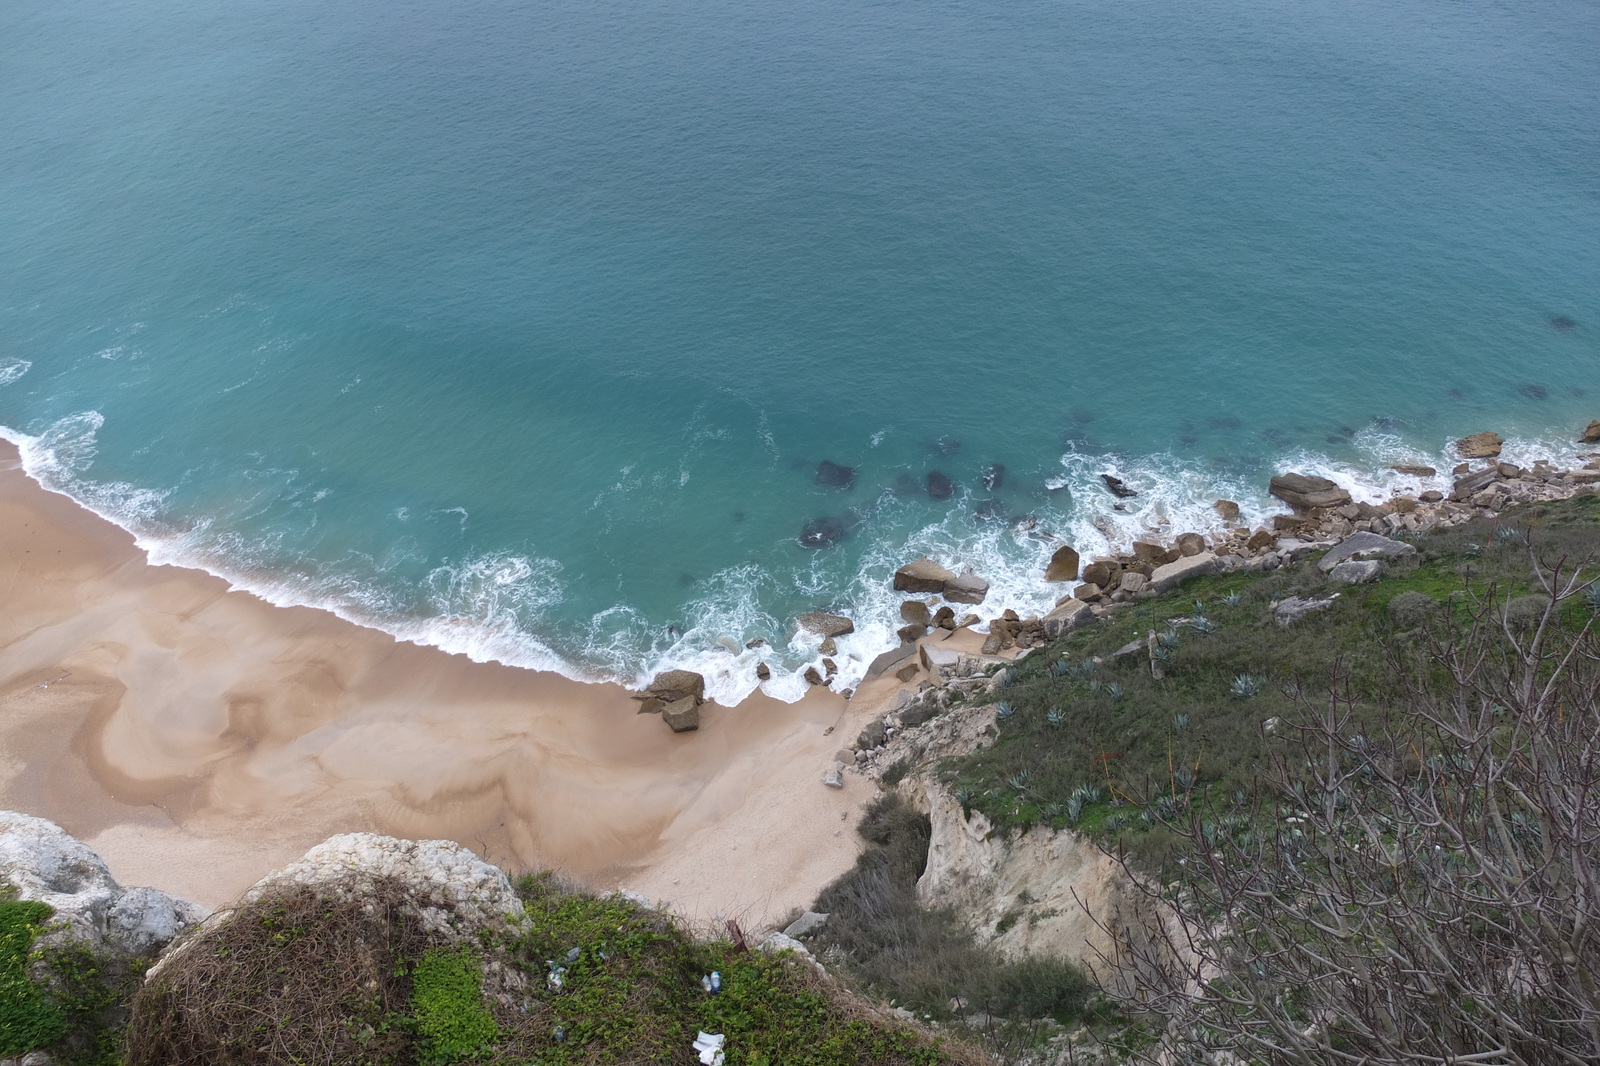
(1180, 723)
(1246, 685)
(1056, 718)
(1004, 711)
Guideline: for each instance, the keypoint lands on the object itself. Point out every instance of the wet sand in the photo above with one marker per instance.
(198, 737)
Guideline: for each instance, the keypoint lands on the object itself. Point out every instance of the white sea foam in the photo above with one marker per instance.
(491, 607)
(12, 369)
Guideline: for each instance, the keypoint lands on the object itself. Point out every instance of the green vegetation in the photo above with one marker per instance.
(925, 958)
(1094, 741)
(302, 978)
(28, 1017)
(630, 991)
(447, 1002)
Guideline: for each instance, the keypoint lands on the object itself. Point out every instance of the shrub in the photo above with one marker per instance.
(1412, 608)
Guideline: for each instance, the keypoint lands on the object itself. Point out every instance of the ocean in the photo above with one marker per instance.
(522, 329)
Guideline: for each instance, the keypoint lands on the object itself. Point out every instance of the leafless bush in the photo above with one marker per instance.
(1418, 883)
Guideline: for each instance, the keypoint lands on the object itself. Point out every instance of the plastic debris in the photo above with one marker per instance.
(561, 1034)
(709, 1046)
(712, 982)
(572, 956)
(557, 978)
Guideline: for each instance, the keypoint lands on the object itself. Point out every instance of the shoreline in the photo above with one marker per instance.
(1175, 494)
(198, 737)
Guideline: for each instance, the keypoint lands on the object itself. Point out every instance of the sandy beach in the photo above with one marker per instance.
(198, 737)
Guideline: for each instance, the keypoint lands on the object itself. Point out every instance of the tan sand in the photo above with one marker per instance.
(198, 737)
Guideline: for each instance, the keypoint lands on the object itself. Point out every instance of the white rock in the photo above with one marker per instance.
(47, 864)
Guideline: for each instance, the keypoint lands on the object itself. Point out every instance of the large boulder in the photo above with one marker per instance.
(669, 687)
(1364, 546)
(915, 612)
(1306, 492)
(1063, 564)
(1480, 446)
(1591, 434)
(827, 625)
(924, 575)
(1065, 618)
(41, 861)
(1227, 509)
(1175, 573)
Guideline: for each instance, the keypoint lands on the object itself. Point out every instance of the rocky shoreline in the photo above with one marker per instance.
(1320, 514)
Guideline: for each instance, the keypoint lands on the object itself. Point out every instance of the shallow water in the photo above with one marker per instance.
(522, 329)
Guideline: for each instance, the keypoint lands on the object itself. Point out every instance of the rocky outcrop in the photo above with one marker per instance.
(1591, 434)
(1306, 492)
(43, 862)
(823, 532)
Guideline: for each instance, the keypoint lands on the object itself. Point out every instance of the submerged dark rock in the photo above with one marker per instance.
(994, 476)
(835, 475)
(946, 445)
(991, 511)
(1562, 323)
(1118, 487)
(823, 532)
(939, 486)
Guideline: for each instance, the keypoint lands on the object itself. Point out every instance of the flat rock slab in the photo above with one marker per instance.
(924, 575)
(828, 625)
(888, 660)
(1173, 574)
(1356, 571)
(1480, 446)
(1360, 545)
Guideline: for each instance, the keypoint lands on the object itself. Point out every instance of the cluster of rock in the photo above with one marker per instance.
(676, 695)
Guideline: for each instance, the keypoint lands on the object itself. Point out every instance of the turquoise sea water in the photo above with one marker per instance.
(521, 328)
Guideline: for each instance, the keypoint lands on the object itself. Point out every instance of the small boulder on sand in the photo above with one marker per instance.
(683, 716)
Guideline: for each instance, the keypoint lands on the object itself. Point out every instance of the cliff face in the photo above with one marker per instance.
(1040, 893)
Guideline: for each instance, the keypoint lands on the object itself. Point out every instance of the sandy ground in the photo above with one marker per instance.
(198, 737)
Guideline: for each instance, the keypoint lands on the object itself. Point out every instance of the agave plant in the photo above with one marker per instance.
(1472, 550)
(1004, 711)
(1008, 677)
(1018, 781)
(1184, 779)
(1167, 639)
(1087, 668)
(1591, 597)
(1113, 689)
(963, 796)
(1060, 668)
(1233, 599)
(1203, 625)
(1199, 609)
(1180, 723)
(1508, 533)
(1056, 718)
(1091, 793)
(1246, 685)
(1074, 808)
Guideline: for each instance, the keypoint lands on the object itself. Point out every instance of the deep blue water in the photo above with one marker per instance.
(521, 328)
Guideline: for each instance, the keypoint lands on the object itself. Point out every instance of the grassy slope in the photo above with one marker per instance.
(1121, 739)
